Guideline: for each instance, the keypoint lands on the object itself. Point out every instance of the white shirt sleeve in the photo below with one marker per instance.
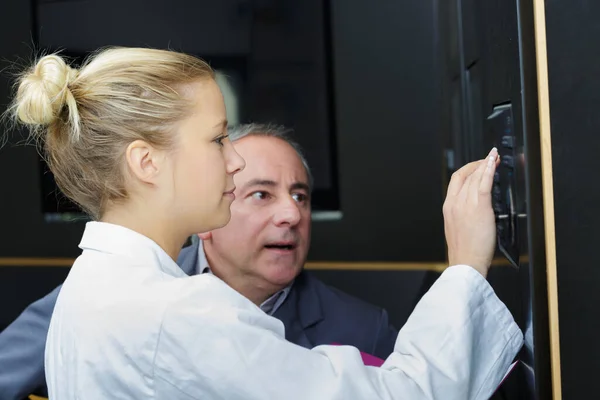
(457, 344)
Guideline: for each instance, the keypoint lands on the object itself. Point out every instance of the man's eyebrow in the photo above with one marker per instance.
(259, 182)
(271, 183)
(300, 185)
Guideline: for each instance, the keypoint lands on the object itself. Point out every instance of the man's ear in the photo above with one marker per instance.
(143, 161)
(205, 235)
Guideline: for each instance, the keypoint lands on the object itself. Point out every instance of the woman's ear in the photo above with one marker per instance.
(144, 161)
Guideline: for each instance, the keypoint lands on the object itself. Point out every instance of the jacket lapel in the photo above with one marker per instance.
(300, 311)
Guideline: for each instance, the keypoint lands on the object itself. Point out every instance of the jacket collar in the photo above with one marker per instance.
(188, 258)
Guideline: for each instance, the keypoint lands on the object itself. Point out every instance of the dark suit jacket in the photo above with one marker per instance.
(313, 314)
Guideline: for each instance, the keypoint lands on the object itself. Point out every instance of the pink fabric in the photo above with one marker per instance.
(371, 360)
(368, 359)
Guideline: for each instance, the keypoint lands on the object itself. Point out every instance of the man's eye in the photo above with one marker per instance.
(299, 197)
(260, 195)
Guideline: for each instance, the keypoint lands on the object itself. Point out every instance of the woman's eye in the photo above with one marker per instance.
(220, 140)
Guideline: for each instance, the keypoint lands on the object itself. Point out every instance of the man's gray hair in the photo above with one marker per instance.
(277, 131)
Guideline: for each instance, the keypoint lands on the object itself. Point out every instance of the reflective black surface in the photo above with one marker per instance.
(498, 108)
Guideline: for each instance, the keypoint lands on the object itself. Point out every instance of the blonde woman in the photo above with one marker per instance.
(137, 137)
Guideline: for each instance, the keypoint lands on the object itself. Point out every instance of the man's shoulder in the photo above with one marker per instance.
(336, 301)
(339, 317)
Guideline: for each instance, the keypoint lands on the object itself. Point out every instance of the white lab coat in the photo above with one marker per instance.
(129, 324)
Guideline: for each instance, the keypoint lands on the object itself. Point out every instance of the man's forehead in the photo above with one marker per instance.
(269, 159)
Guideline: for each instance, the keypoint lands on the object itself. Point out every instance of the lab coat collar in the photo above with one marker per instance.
(115, 239)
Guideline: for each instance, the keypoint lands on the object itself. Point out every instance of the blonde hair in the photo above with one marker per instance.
(86, 118)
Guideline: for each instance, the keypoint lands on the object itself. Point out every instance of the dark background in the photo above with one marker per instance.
(573, 64)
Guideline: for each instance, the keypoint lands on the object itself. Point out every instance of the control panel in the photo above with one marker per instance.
(503, 192)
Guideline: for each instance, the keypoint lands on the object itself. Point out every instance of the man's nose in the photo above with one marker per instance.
(287, 213)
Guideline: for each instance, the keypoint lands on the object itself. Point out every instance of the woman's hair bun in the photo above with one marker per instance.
(44, 90)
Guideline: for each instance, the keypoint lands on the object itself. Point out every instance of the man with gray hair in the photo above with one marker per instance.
(260, 253)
